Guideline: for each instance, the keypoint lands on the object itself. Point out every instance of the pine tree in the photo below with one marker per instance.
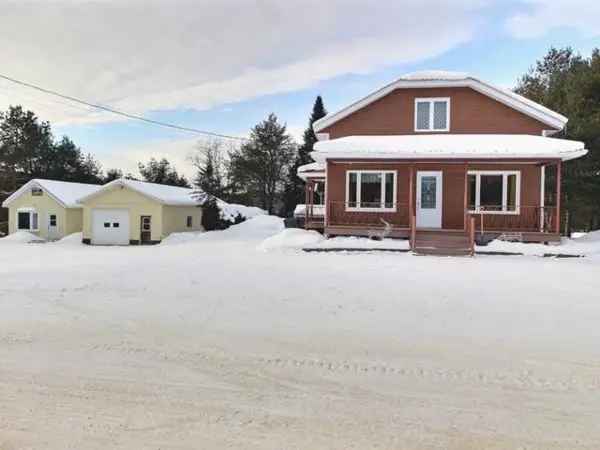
(570, 84)
(161, 172)
(261, 164)
(294, 189)
(209, 163)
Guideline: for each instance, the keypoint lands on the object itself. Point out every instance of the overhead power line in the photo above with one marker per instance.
(121, 113)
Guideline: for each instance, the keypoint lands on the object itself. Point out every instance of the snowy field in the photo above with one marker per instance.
(225, 340)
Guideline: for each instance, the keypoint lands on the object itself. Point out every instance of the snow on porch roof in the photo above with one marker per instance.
(311, 170)
(451, 146)
(440, 78)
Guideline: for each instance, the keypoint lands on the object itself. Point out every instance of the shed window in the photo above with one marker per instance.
(371, 190)
(27, 220)
(494, 191)
(52, 219)
(188, 221)
(432, 114)
(36, 191)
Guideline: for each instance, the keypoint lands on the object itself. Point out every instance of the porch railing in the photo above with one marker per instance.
(525, 219)
(340, 213)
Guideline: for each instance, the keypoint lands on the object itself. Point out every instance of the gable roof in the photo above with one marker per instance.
(449, 146)
(167, 195)
(64, 192)
(437, 79)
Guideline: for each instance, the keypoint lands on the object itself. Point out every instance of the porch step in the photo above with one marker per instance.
(442, 243)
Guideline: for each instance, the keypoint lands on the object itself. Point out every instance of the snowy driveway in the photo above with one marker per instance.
(212, 343)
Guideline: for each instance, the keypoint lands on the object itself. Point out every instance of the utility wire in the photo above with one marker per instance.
(121, 113)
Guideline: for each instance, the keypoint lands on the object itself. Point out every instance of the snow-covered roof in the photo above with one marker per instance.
(438, 79)
(311, 170)
(449, 146)
(64, 192)
(167, 195)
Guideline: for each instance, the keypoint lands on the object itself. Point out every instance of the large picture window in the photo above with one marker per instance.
(371, 190)
(432, 114)
(494, 192)
(27, 220)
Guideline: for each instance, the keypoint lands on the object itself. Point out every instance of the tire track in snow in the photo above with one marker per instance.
(518, 379)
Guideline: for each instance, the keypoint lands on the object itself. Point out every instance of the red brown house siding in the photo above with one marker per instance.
(470, 113)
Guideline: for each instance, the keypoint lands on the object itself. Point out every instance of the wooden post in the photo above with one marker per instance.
(411, 207)
(306, 193)
(466, 199)
(472, 234)
(558, 193)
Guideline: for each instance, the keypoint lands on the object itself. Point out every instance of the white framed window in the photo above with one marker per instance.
(494, 191)
(52, 220)
(371, 190)
(432, 114)
(27, 219)
(188, 221)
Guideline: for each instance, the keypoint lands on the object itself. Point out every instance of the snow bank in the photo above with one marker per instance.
(183, 237)
(22, 237)
(259, 227)
(291, 238)
(588, 244)
(592, 236)
(352, 242)
(229, 211)
(71, 239)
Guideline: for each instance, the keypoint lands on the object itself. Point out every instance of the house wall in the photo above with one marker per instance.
(44, 205)
(470, 112)
(175, 219)
(453, 194)
(138, 205)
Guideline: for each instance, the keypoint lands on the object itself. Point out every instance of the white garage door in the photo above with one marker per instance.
(110, 226)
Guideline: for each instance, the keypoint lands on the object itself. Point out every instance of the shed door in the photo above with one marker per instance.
(53, 226)
(429, 199)
(110, 226)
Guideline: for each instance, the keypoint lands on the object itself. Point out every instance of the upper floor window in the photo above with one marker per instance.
(432, 114)
(36, 191)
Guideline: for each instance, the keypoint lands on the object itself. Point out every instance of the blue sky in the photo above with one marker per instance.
(224, 77)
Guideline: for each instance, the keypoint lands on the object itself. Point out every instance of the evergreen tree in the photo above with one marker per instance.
(294, 188)
(261, 164)
(113, 174)
(210, 166)
(161, 172)
(570, 84)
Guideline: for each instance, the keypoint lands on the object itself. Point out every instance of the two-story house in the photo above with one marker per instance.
(443, 159)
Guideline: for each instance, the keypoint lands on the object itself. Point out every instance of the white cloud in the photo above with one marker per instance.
(141, 56)
(545, 15)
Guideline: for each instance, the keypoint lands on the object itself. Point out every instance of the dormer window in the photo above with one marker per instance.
(432, 114)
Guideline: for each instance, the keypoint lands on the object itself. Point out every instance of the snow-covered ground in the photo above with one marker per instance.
(218, 340)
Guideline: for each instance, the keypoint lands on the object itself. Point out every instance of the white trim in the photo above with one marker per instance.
(509, 98)
(358, 189)
(505, 174)
(432, 101)
(31, 212)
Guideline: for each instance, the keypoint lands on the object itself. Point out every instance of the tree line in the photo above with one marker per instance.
(261, 171)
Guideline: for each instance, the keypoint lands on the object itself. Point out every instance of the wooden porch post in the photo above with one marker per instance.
(411, 206)
(306, 193)
(466, 199)
(558, 193)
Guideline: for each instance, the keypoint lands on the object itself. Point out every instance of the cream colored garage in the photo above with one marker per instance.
(134, 212)
(47, 208)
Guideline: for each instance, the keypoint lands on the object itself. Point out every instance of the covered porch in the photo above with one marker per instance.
(427, 187)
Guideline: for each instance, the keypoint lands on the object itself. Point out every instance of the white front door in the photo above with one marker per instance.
(429, 199)
(110, 226)
(53, 226)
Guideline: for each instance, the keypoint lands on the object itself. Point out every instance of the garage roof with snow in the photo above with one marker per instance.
(167, 195)
(450, 146)
(64, 192)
